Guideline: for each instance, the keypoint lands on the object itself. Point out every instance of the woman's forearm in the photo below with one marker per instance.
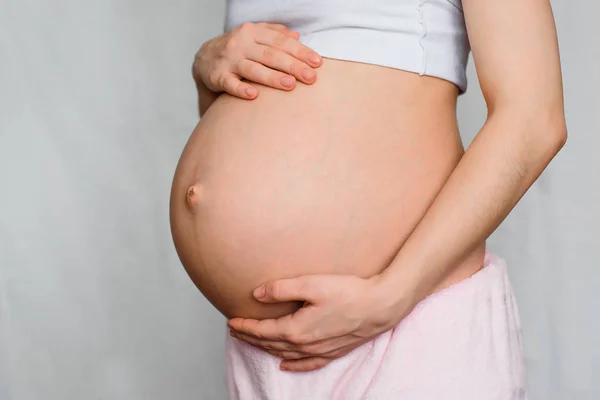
(515, 50)
(503, 161)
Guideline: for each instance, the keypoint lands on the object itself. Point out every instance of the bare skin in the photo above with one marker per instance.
(516, 55)
(263, 53)
(304, 182)
(420, 209)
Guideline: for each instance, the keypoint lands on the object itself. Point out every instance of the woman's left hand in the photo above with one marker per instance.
(340, 313)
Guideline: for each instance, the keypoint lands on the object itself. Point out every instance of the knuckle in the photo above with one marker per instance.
(311, 349)
(280, 40)
(268, 346)
(223, 81)
(247, 332)
(275, 81)
(283, 354)
(246, 69)
(268, 55)
(281, 28)
(295, 338)
(246, 28)
(214, 79)
(300, 68)
(273, 289)
(290, 355)
(288, 337)
(294, 69)
(231, 44)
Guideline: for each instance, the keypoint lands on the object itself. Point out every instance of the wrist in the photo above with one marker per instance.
(392, 298)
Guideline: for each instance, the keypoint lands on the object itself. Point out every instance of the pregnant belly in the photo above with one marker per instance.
(330, 178)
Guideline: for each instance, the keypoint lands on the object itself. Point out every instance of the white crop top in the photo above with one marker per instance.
(423, 36)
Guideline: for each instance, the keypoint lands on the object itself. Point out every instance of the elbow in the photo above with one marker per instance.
(542, 130)
(539, 121)
(540, 135)
(562, 134)
(541, 139)
(553, 134)
(561, 140)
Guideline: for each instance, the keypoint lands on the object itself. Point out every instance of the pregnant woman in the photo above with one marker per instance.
(326, 206)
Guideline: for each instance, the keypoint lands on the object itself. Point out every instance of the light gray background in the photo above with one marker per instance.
(96, 103)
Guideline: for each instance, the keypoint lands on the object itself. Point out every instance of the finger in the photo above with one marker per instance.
(278, 40)
(293, 34)
(340, 349)
(286, 355)
(312, 363)
(256, 72)
(308, 288)
(277, 27)
(329, 347)
(276, 346)
(235, 87)
(304, 364)
(282, 61)
(267, 329)
(283, 29)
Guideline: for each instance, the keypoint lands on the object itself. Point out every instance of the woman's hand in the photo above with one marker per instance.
(269, 54)
(340, 313)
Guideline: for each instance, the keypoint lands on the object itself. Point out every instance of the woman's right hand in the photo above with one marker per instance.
(269, 54)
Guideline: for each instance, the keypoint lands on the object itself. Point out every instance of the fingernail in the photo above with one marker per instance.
(287, 81)
(259, 292)
(315, 59)
(250, 92)
(308, 74)
(283, 368)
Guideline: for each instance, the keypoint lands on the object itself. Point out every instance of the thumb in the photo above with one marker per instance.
(304, 288)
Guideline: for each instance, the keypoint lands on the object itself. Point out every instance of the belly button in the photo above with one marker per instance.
(193, 196)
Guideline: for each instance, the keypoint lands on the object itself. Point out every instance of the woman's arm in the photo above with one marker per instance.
(515, 50)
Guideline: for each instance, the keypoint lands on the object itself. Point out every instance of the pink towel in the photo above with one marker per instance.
(462, 343)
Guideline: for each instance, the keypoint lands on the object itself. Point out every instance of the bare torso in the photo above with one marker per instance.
(327, 178)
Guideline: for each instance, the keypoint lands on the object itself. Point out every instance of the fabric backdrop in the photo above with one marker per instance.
(96, 103)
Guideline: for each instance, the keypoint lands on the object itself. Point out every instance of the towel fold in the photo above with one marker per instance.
(461, 343)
